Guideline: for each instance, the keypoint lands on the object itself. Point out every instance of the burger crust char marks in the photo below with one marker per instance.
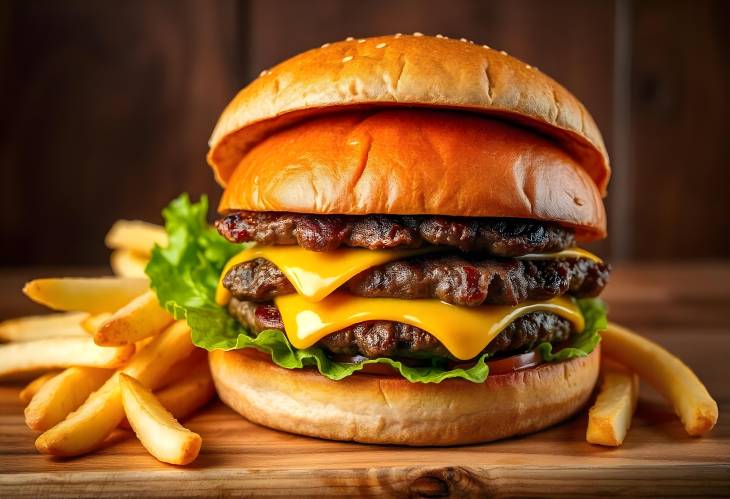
(438, 189)
(499, 237)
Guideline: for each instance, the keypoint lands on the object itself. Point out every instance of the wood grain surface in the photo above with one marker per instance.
(683, 307)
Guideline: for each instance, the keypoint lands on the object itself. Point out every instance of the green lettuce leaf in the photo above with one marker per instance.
(594, 313)
(185, 274)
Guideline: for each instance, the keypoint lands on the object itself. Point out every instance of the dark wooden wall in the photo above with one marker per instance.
(107, 106)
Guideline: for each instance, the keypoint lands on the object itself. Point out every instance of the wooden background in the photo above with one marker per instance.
(107, 106)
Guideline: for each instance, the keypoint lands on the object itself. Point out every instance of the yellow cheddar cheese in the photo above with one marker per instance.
(464, 331)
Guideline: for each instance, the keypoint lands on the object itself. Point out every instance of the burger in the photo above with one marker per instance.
(397, 255)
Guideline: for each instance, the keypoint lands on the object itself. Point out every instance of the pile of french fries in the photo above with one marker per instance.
(114, 359)
(110, 359)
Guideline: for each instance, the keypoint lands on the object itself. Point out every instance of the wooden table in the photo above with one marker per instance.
(682, 306)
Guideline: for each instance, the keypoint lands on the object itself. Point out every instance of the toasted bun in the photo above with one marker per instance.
(405, 71)
(390, 410)
(416, 162)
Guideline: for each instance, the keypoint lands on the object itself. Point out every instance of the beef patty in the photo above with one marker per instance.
(374, 339)
(456, 279)
(499, 237)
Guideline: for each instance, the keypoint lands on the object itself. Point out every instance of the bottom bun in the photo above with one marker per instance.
(391, 410)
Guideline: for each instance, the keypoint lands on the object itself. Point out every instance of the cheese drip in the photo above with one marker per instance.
(315, 274)
(464, 331)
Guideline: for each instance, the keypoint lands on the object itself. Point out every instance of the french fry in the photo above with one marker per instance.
(182, 368)
(670, 376)
(189, 393)
(92, 324)
(157, 429)
(92, 295)
(139, 345)
(610, 417)
(53, 353)
(86, 428)
(62, 395)
(135, 235)
(126, 263)
(37, 327)
(140, 318)
(185, 397)
(26, 394)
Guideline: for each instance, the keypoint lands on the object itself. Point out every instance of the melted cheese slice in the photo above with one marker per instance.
(567, 253)
(315, 274)
(464, 331)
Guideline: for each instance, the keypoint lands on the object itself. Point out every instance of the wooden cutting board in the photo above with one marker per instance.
(683, 307)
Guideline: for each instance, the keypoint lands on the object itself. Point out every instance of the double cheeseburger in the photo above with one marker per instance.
(408, 211)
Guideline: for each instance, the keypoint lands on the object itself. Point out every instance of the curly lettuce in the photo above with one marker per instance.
(185, 274)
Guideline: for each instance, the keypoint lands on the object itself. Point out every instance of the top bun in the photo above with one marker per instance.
(407, 70)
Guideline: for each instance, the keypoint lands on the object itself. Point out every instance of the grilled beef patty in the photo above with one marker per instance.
(499, 237)
(454, 279)
(374, 339)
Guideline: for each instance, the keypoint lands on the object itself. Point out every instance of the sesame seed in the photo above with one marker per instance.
(463, 40)
(398, 35)
(361, 40)
(439, 35)
(349, 38)
(325, 45)
(417, 33)
(263, 73)
(486, 46)
(503, 52)
(347, 58)
(380, 45)
(528, 66)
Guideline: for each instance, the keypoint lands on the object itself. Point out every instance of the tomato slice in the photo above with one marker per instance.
(514, 363)
(507, 364)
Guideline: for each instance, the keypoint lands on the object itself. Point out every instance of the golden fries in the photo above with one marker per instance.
(669, 375)
(87, 427)
(42, 326)
(157, 429)
(26, 394)
(92, 295)
(140, 318)
(190, 391)
(185, 397)
(60, 352)
(92, 324)
(610, 417)
(62, 395)
(126, 263)
(183, 367)
(137, 236)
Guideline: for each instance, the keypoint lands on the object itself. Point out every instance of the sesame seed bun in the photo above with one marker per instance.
(405, 71)
(404, 161)
(390, 410)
